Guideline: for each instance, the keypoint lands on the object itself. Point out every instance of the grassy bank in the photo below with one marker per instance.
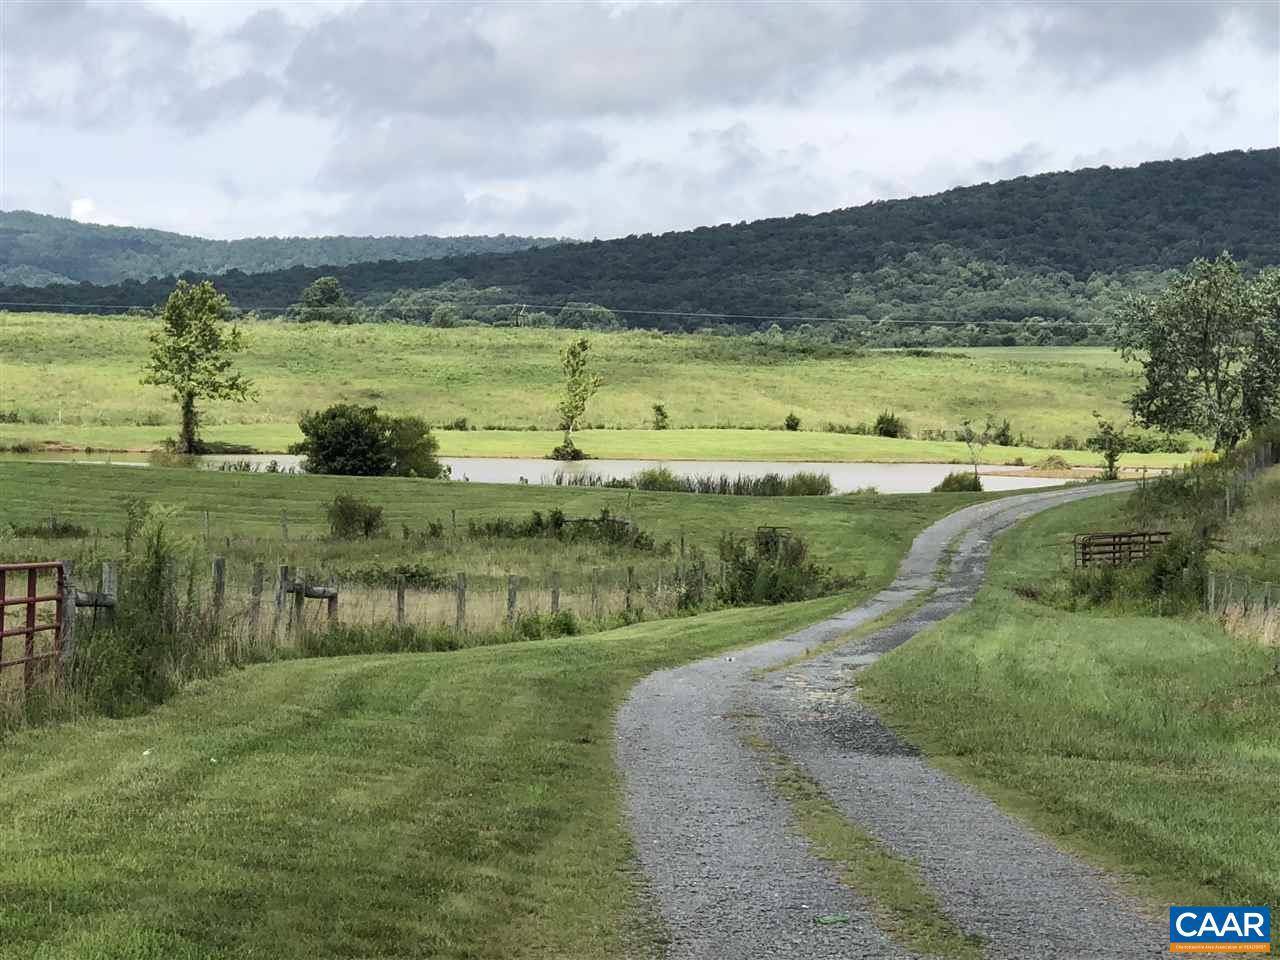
(444, 806)
(74, 380)
(1150, 744)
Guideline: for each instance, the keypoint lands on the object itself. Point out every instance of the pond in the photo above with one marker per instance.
(885, 477)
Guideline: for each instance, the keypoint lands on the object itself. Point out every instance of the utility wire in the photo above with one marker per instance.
(618, 310)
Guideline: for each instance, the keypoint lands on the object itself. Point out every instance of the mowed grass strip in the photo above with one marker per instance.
(75, 379)
(446, 805)
(904, 906)
(1151, 745)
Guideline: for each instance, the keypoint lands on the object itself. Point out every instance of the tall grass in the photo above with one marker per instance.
(663, 480)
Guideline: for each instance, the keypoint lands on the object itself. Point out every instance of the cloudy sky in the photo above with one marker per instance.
(236, 119)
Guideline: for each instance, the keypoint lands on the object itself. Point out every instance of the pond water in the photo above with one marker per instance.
(885, 477)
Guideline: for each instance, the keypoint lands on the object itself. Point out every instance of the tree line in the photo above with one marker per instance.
(1032, 260)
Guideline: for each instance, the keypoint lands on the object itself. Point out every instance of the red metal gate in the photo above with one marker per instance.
(31, 600)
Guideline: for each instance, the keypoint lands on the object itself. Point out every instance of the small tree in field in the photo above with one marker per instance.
(977, 440)
(1110, 441)
(192, 353)
(1209, 347)
(580, 385)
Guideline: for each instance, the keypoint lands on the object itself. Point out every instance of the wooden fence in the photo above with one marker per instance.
(1116, 549)
(252, 618)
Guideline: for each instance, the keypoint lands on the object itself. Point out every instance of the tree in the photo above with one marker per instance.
(976, 440)
(192, 353)
(580, 385)
(324, 300)
(1110, 441)
(359, 441)
(1208, 350)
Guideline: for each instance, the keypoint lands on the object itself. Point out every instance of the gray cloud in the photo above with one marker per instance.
(598, 118)
(1029, 158)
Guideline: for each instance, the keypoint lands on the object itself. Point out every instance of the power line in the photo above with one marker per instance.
(619, 310)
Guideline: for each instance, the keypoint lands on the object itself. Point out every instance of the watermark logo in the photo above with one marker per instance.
(1220, 929)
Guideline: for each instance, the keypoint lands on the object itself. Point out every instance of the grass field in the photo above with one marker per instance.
(458, 805)
(74, 380)
(856, 536)
(1150, 744)
(455, 805)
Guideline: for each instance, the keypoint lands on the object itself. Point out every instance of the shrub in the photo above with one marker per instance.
(350, 440)
(660, 479)
(963, 481)
(661, 419)
(52, 529)
(351, 517)
(567, 452)
(792, 422)
(1002, 435)
(1067, 442)
(772, 567)
(889, 424)
(159, 636)
(376, 573)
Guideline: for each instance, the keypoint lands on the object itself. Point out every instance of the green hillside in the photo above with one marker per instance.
(1059, 247)
(36, 249)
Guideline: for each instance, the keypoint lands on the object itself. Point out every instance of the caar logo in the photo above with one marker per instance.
(1220, 929)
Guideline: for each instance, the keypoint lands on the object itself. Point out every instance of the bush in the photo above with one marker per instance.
(1002, 436)
(889, 424)
(1067, 442)
(964, 481)
(52, 529)
(772, 567)
(159, 636)
(351, 517)
(661, 419)
(355, 441)
(567, 452)
(376, 573)
(792, 422)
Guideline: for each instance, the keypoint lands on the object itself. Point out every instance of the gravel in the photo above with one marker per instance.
(733, 881)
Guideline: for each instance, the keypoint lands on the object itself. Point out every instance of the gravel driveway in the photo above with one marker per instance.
(733, 881)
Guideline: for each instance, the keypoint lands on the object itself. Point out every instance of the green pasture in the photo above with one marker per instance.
(1150, 744)
(74, 380)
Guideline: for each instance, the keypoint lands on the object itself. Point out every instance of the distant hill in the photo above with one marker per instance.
(36, 249)
(1062, 247)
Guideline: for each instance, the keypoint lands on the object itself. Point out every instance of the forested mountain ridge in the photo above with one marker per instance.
(36, 249)
(1061, 247)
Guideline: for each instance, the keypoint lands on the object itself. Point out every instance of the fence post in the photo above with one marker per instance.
(219, 586)
(255, 598)
(631, 579)
(299, 588)
(461, 588)
(67, 604)
(595, 596)
(170, 588)
(555, 592)
(331, 603)
(400, 600)
(511, 598)
(110, 587)
(1212, 587)
(282, 588)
